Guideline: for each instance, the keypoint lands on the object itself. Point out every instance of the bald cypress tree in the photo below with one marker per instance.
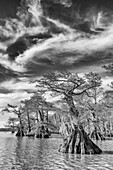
(68, 85)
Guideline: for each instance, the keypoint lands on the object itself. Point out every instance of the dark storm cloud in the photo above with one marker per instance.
(24, 42)
(98, 58)
(6, 74)
(5, 91)
(77, 14)
(8, 8)
(35, 69)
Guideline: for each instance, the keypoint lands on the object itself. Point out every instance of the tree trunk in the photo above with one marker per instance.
(79, 143)
(37, 120)
(13, 127)
(96, 133)
(40, 116)
(29, 124)
(20, 132)
(75, 139)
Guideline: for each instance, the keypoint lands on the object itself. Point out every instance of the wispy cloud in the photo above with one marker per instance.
(76, 45)
(4, 60)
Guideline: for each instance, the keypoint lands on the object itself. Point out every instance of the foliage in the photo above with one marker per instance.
(77, 98)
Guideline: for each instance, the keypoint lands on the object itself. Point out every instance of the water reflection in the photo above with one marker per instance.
(42, 154)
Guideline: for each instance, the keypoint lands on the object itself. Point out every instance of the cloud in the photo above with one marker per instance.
(22, 84)
(4, 90)
(2, 123)
(69, 49)
(29, 47)
(79, 45)
(66, 3)
(12, 98)
(3, 47)
(15, 90)
(13, 66)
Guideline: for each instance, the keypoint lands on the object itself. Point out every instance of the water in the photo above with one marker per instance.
(42, 154)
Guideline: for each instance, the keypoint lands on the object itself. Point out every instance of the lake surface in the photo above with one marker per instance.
(42, 154)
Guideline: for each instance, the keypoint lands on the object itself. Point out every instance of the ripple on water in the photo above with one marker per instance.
(33, 154)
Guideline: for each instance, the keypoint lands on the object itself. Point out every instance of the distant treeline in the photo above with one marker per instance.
(5, 130)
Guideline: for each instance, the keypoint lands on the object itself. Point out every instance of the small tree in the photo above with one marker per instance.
(12, 123)
(26, 109)
(94, 94)
(18, 112)
(108, 95)
(108, 106)
(37, 107)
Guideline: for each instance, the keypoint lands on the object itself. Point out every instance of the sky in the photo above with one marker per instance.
(38, 36)
(8, 8)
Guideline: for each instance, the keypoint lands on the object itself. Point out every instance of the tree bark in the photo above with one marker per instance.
(37, 120)
(13, 127)
(29, 124)
(96, 133)
(20, 132)
(77, 139)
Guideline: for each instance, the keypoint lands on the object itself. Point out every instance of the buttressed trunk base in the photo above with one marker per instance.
(78, 142)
